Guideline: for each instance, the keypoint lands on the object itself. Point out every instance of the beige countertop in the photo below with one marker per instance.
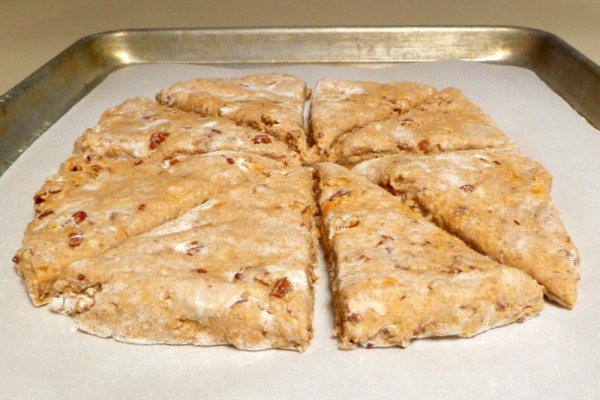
(33, 31)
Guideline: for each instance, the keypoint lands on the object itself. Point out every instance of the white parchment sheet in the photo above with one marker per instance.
(553, 356)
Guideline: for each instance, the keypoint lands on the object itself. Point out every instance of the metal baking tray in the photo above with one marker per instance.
(554, 355)
(32, 106)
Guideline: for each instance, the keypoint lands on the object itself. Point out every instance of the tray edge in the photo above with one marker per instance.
(61, 82)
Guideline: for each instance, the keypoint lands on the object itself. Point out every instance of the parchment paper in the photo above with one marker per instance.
(555, 355)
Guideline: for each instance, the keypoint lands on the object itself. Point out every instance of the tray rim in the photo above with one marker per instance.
(51, 91)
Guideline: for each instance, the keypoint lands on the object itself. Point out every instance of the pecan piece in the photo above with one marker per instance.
(354, 317)
(193, 250)
(280, 287)
(41, 197)
(261, 139)
(169, 162)
(467, 188)
(340, 193)
(95, 170)
(267, 120)
(201, 270)
(157, 138)
(407, 122)
(423, 145)
(384, 239)
(45, 214)
(353, 223)
(79, 217)
(16, 259)
(75, 239)
(388, 333)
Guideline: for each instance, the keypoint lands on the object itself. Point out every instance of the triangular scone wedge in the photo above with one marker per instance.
(140, 127)
(446, 121)
(396, 276)
(93, 204)
(496, 200)
(340, 106)
(270, 103)
(237, 270)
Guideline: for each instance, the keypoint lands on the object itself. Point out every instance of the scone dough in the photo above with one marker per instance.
(396, 276)
(237, 269)
(269, 103)
(340, 106)
(93, 204)
(445, 121)
(496, 200)
(191, 219)
(140, 127)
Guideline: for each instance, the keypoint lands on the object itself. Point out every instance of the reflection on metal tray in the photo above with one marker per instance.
(28, 109)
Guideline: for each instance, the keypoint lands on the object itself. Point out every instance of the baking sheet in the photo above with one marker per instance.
(554, 355)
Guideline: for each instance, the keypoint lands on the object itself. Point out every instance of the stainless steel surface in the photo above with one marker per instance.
(28, 109)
